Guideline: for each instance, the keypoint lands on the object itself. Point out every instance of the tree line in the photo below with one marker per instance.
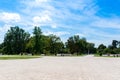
(113, 48)
(18, 41)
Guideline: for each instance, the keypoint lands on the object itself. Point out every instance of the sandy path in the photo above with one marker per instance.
(61, 68)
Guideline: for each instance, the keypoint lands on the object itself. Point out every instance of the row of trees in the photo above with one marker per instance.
(114, 48)
(78, 45)
(18, 41)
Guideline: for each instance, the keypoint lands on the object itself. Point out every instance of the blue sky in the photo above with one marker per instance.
(96, 20)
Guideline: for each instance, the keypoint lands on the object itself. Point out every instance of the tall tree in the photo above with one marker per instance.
(76, 45)
(115, 43)
(55, 44)
(15, 40)
(90, 47)
(83, 45)
(1, 48)
(71, 45)
(30, 45)
(37, 34)
(101, 48)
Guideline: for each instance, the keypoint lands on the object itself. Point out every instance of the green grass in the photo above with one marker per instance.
(11, 57)
(97, 55)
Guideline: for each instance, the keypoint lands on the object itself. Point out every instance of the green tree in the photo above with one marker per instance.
(76, 45)
(100, 49)
(90, 47)
(46, 44)
(115, 43)
(30, 45)
(55, 44)
(83, 45)
(37, 34)
(15, 40)
(1, 48)
(101, 46)
(70, 44)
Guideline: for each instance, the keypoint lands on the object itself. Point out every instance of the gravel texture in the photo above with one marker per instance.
(61, 68)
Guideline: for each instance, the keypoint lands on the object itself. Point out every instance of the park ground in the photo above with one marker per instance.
(61, 68)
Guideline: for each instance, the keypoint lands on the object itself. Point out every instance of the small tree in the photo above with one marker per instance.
(100, 49)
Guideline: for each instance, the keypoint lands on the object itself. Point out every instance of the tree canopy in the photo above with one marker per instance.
(15, 40)
(18, 41)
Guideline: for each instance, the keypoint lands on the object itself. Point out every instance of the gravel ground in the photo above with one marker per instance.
(61, 68)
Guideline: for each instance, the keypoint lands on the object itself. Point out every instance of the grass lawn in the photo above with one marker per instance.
(96, 55)
(10, 57)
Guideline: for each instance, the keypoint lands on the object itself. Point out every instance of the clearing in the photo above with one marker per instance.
(61, 68)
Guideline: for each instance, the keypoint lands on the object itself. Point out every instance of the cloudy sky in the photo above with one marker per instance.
(96, 20)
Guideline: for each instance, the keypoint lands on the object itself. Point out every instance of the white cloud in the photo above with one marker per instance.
(98, 42)
(39, 12)
(58, 12)
(106, 23)
(30, 4)
(54, 25)
(9, 17)
(3, 30)
(70, 16)
(75, 16)
(41, 19)
(40, 1)
(59, 33)
(81, 35)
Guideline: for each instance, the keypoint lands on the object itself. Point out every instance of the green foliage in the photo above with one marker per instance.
(56, 44)
(15, 40)
(37, 34)
(101, 46)
(12, 57)
(114, 43)
(116, 51)
(1, 48)
(30, 45)
(101, 49)
(77, 45)
(18, 41)
(114, 48)
(90, 48)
